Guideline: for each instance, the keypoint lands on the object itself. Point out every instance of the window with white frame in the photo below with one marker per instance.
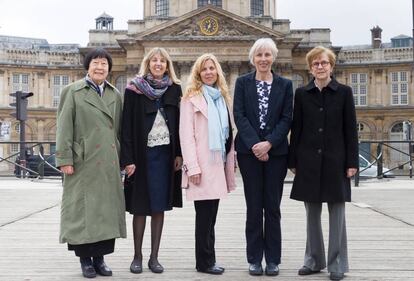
(161, 8)
(14, 148)
(359, 85)
(20, 82)
(59, 82)
(399, 88)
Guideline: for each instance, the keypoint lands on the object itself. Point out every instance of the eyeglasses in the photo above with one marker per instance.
(323, 63)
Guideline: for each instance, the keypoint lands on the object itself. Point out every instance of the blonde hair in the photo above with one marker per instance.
(195, 83)
(263, 44)
(316, 52)
(162, 52)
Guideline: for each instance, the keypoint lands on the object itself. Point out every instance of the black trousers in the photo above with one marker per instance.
(263, 188)
(206, 214)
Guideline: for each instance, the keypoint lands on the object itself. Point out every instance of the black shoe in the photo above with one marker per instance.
(100, 267)
(155, 266)
(219, 267)
(136, 266)
(336, 276)
(216, 270)
(255, 269)
(304, 270)
(88, 271)
(272, 269)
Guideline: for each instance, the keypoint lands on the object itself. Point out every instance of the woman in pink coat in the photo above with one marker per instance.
(208, 152)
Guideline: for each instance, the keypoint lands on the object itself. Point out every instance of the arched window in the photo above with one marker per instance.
(201, 3)
(396, 134)
(120, 83)
(161, 8)
(17, 128)
(256, 8)
(360, 127)
(297, 81)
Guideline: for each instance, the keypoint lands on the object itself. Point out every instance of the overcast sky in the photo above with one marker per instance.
(61, 21)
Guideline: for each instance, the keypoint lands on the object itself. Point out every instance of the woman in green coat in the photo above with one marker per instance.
(88, 127)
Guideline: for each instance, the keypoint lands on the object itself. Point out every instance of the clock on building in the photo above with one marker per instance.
(209, 25)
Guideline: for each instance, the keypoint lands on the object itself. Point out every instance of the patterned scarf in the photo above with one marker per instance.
(99, 89)
(218, 121)
(149, 86)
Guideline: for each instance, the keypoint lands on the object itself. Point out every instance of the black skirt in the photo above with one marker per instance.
(96, 249)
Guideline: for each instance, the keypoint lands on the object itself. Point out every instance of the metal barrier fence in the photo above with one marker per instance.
(32, 162)
(35, 150)
(378, 159)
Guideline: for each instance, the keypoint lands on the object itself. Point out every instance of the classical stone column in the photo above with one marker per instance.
(234, 68)
(40, 123)
(184, 70)
(41, 97)
(3, 98)
(131, 71)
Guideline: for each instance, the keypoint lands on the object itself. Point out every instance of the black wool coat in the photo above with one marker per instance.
(137, 119)
(323, 143)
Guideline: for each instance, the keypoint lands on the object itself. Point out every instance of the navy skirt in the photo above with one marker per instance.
(159, 177)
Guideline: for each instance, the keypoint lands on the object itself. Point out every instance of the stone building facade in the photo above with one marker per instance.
(380, 74)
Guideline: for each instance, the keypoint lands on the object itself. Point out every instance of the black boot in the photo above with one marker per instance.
(100, 266)
(88, 270)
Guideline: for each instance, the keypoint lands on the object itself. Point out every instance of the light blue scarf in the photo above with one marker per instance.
(218, 121)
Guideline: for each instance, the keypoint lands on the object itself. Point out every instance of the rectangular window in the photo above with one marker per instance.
(59, 82)
(15, 147)
(20, 83)
(399, 88)
(161, 8)
(256, 8)
(359, 88)
(202, 3)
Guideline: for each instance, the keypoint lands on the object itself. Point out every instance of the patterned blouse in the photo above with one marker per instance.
(159, 134)
(263, 93)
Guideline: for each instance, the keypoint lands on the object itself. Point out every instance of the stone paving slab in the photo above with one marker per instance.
(380, 236)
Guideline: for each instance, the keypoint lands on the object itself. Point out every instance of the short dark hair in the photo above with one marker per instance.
(97, 53)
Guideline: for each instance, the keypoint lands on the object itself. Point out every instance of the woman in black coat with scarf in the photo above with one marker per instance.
(150, 150)
(324, 156)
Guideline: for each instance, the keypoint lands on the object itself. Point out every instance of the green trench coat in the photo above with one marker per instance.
(88, 130)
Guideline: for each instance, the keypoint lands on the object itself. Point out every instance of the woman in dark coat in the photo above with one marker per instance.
(324, 156)
(263, 114)
(150, 150)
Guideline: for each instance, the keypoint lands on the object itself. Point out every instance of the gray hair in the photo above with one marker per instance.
(263, 43)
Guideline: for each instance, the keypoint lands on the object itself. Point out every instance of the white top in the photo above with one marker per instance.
(159, 134)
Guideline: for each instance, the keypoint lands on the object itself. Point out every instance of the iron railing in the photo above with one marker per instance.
(378, 159)
(19, 163)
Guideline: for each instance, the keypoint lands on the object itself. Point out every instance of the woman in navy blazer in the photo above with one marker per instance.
(263, 114)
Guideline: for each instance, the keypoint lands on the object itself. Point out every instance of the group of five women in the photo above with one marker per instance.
(166, 141)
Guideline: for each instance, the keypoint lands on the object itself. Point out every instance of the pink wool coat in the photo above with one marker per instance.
(217, 178)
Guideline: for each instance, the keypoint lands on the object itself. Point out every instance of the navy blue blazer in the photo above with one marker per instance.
(278, 118)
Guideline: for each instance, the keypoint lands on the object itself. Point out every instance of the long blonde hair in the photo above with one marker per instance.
(170, 67)
(194, 81)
